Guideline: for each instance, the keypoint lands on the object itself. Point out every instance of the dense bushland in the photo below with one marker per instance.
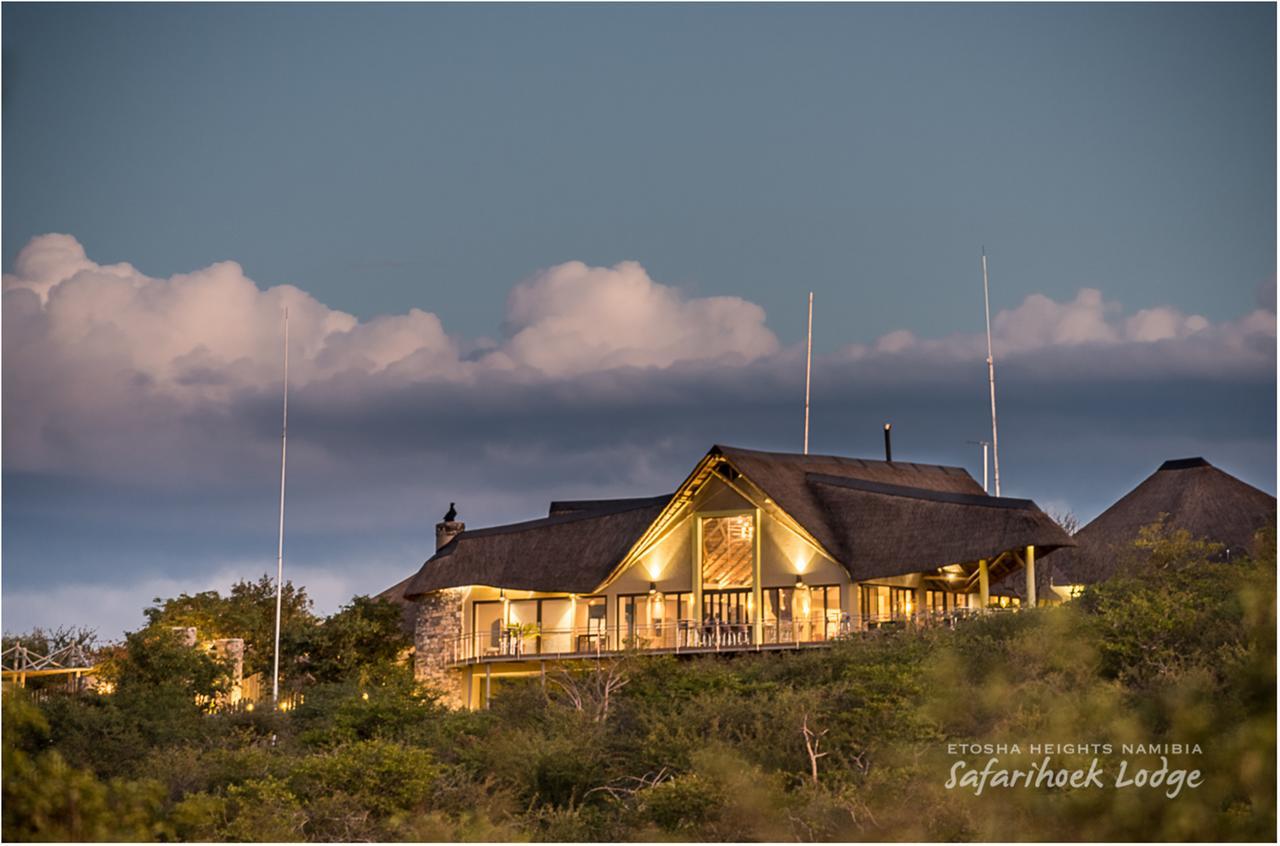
(846, 743)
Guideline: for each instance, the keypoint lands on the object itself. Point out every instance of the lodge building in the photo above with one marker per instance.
(753, 551)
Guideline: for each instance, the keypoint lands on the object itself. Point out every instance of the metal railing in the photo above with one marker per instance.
(18, 663)
(531, 642)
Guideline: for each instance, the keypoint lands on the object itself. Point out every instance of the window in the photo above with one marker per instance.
(525, 626)
(818, 608)
(555, 621)
(649, 620)
(676, 608)
(801, 614)
(486, 627)
(779, 615)
(728, 552)
(589, 629)
(883, 603)
(678, 619)
(639, 616)
(727, 617)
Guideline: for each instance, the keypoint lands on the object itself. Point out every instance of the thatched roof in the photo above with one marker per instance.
(408, 610)
(561, 507)
(1195, 495)
(889, 530)
(573, 551)
(886, 518)
(879, 518)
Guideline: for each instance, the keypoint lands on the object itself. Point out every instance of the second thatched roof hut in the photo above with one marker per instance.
(1193, 494)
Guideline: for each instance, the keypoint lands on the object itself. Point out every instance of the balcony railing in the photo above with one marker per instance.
(522, 643)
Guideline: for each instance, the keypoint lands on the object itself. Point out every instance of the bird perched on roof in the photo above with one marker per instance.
(452, 513)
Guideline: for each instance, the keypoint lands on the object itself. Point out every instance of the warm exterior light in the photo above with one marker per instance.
(249, 707)
(653, 588)
(799, 582)
(365, 696)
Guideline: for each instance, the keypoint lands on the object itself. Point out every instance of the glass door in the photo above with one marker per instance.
(726, 618)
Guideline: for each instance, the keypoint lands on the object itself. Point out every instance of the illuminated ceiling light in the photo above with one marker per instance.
(799, 582)
(653, 588)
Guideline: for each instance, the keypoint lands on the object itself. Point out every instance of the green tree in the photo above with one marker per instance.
(363, 640)
(247, 611)
(45, 798)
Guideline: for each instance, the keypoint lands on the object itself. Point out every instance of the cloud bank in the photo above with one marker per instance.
(141, 415)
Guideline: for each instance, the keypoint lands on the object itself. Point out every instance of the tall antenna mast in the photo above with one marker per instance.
(808, 367)
(284, 446)
(991, 376)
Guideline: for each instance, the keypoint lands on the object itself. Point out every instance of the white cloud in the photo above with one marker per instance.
(201, 334)
(111, 373)
(1040, 321)
(1087, 322)
(573, 318)
(1162, 323)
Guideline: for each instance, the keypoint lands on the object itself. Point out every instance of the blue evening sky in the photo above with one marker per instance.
(430, 155)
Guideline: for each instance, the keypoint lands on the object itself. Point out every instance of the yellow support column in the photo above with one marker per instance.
(696, 611)
(757, 594)
(984, 585)
(1031, 576)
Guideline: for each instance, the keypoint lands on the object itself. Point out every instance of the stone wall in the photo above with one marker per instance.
(231, 650)
(436, 633)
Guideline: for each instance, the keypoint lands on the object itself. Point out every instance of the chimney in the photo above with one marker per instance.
(448, 528)
(888, 442)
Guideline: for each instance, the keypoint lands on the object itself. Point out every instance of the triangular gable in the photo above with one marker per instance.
(715, 464)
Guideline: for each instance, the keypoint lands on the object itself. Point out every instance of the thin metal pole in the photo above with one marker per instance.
(991, 376)
(984, 445)
(985, 460)
(284, 446)
(808, 368)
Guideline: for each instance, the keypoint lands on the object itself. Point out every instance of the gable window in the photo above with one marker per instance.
(728, 552)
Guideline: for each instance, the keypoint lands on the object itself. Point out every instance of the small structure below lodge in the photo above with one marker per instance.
(753, 551)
